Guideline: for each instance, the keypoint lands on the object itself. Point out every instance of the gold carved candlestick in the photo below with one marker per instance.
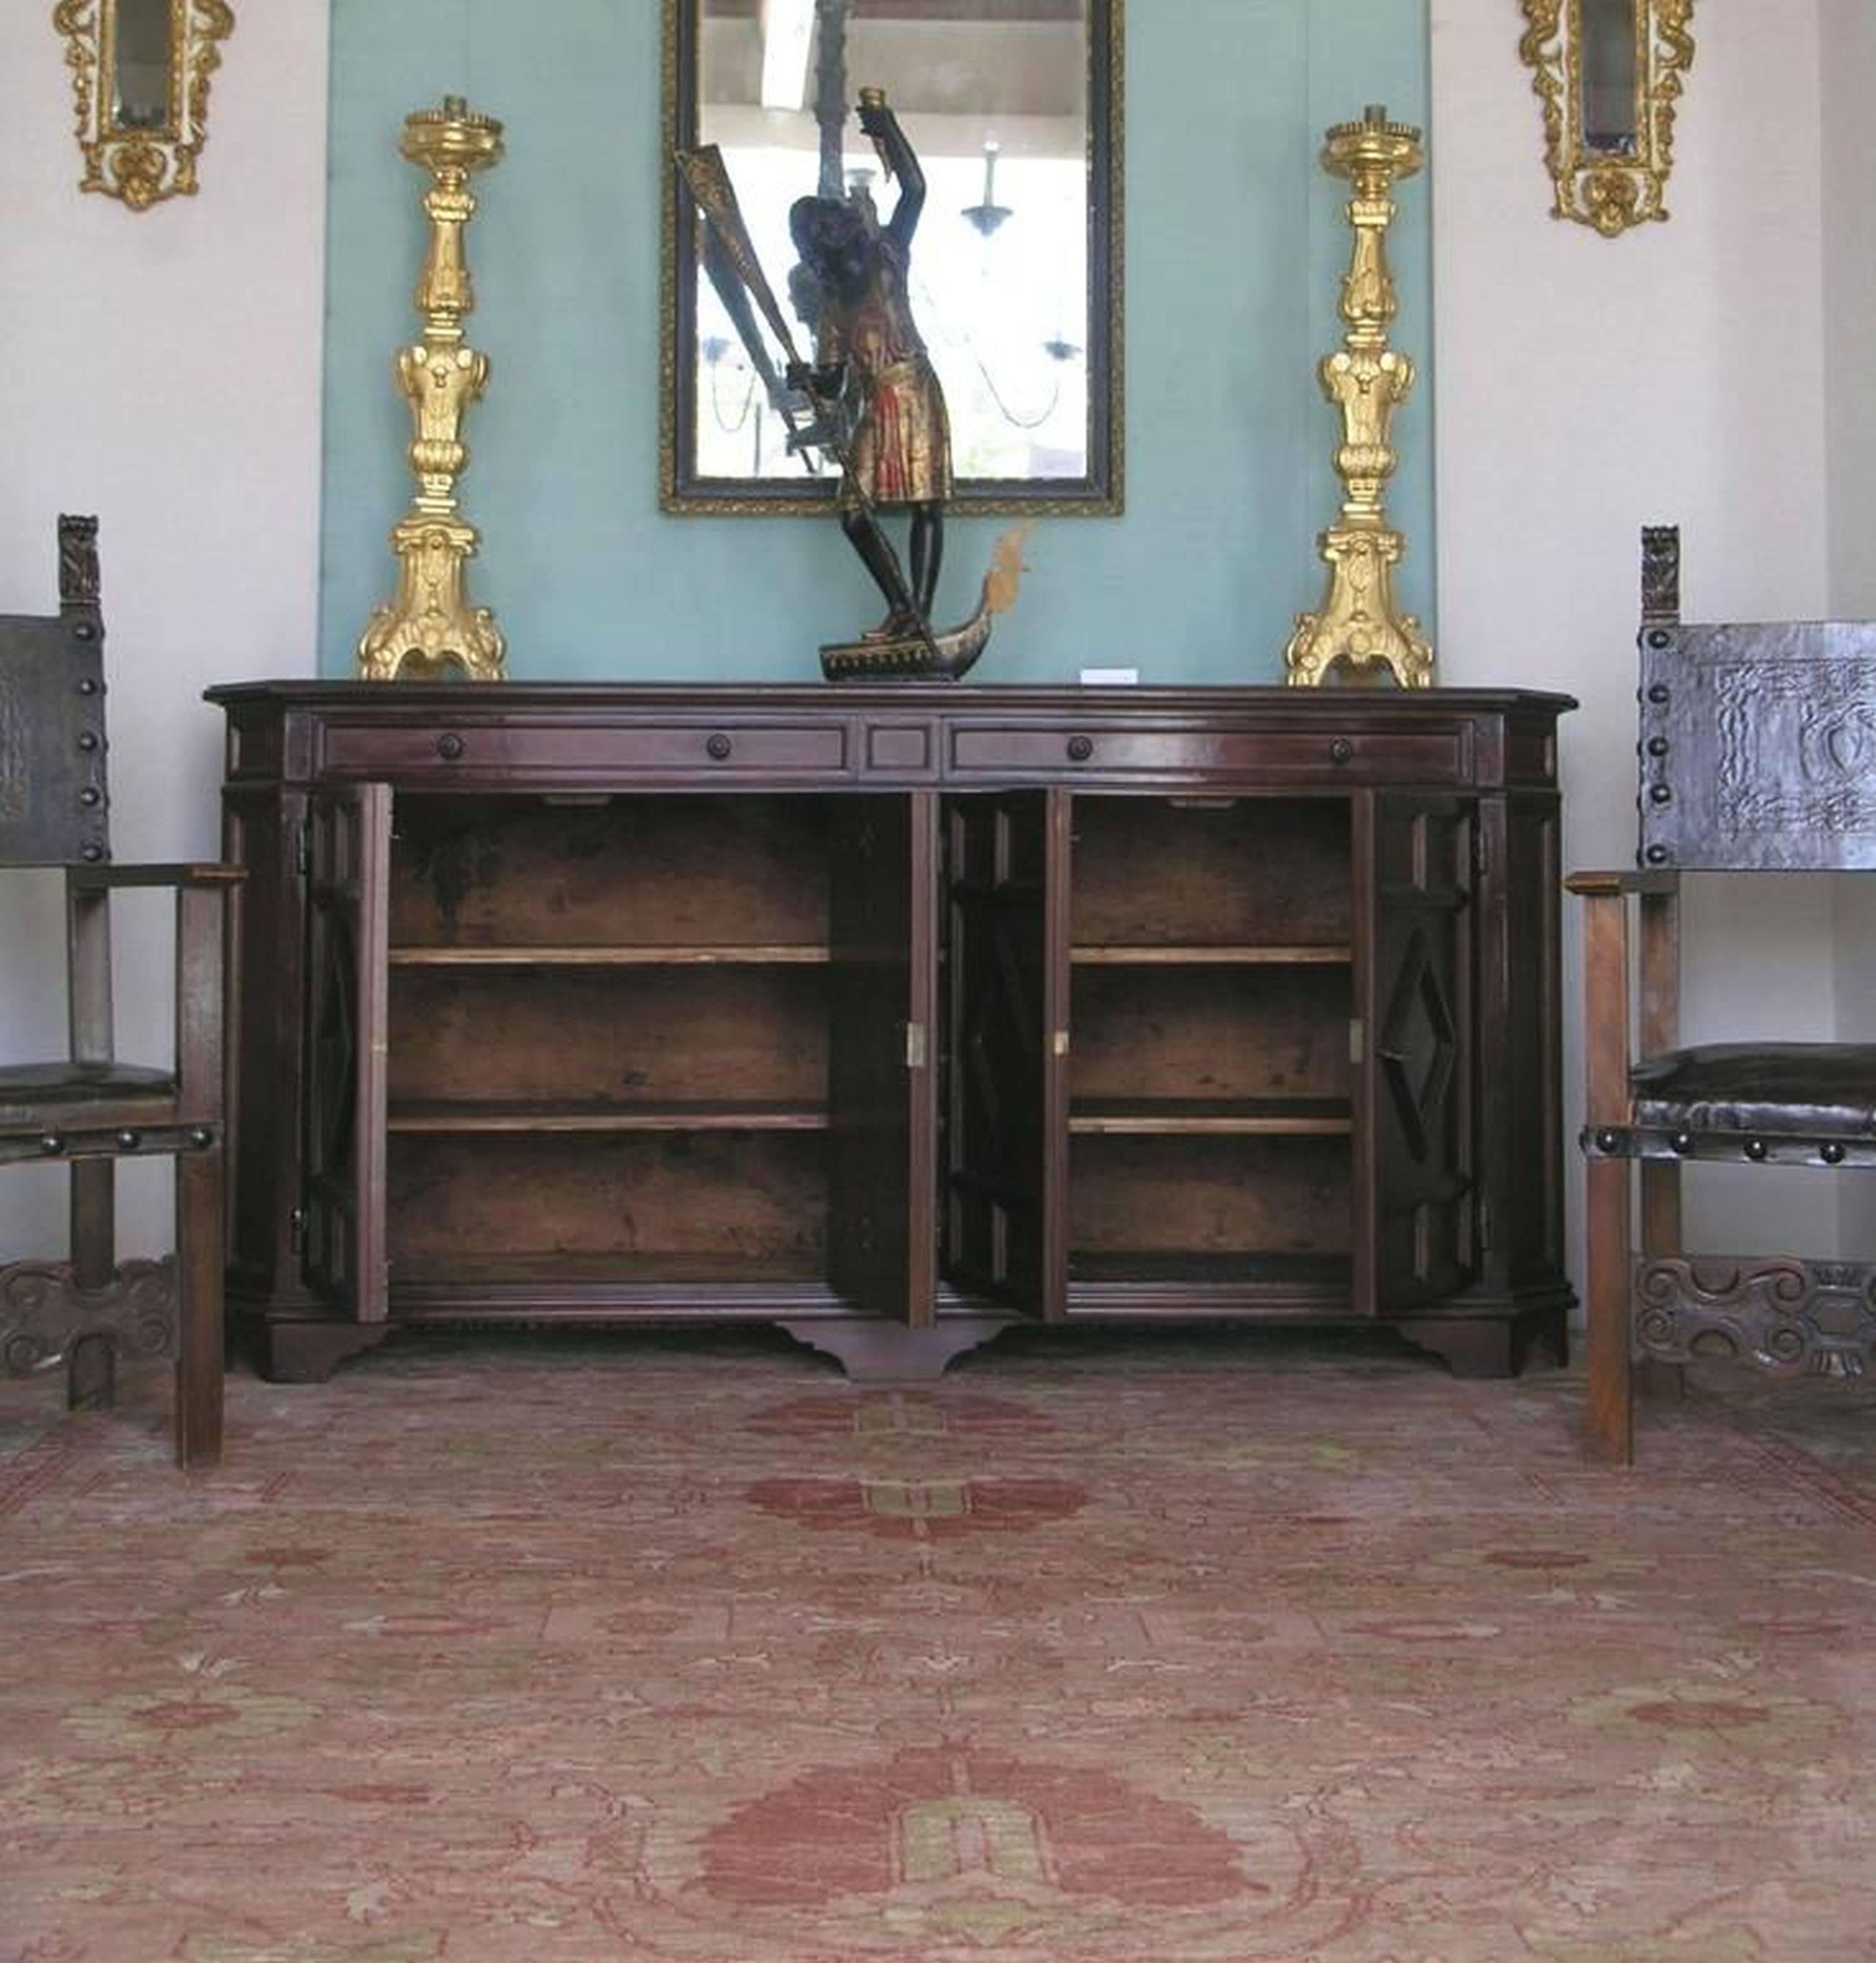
(432, 629)
(1368, 380)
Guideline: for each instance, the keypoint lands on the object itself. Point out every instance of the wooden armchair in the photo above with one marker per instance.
(88, 1110)
(1758, 753)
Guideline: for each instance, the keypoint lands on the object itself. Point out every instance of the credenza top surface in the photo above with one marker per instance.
(452, 699)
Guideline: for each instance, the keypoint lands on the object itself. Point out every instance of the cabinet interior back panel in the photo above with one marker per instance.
(611, 1035)
(1249, 871)
(748, 1199)
(1209, 1196)
(668, 870)
(1209, 1033)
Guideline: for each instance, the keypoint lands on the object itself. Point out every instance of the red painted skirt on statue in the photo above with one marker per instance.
(902, 452)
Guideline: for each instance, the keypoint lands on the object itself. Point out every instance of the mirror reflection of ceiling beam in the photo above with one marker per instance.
(787, 31)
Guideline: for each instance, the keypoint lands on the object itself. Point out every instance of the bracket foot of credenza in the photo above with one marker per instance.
(873, 1351)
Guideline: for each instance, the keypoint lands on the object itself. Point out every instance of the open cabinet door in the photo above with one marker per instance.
(1414, 1144)
(882, 1098)
(1006, 953)
(348, 861)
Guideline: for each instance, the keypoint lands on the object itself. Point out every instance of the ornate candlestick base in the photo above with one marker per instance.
(431, 630)
(1358, 623)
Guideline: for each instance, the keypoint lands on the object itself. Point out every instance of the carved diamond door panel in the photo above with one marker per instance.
(997, 1206)
(1416, 1171)
(882, 1099)
(348, 935)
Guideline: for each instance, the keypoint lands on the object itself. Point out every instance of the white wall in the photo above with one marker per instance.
(161, 369)
(1849, 37)
(1586, 386)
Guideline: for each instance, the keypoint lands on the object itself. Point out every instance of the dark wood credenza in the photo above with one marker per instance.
(894, 1015)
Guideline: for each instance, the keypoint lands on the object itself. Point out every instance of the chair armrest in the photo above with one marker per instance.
(1613, 885)
(102, 878)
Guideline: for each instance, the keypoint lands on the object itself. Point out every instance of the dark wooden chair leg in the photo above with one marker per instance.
(91, 1374)
(199, 1273)
(1607, 1351)
(92, 1368)
(1608, 1179)
(94, 1216)
(1656, 1377)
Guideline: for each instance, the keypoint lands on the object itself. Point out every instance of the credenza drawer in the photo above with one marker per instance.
(590, 752)
(1173, 751)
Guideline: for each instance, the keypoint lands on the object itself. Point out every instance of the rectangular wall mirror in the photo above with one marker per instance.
(1608, 73)
(140, 72)
(1013, 110)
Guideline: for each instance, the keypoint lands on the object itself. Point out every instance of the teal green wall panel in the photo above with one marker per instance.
(1235, 242)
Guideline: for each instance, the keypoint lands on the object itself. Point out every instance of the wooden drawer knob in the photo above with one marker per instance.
(449, 746)
(719, 746)
(1341, 750)
(1080, 749)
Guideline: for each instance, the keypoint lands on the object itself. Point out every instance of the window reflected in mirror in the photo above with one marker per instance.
(1609, 73)
(1011, 109)
(141, 70)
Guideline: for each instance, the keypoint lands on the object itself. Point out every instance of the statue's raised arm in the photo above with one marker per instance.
(900, 162)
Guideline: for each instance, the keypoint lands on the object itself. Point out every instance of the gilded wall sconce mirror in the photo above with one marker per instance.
(140, 71)
(1013, 108)
(1609, 75)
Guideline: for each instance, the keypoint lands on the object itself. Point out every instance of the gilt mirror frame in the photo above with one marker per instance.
(1093, 335)
(1608, 73)
(142, 148)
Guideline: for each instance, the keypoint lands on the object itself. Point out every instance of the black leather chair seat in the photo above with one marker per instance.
(1812, 1090)
(25, 1087)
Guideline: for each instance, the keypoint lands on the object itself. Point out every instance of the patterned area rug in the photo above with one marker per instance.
(1206, 1647)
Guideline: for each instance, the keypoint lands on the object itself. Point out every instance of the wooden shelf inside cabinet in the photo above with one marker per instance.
(555, 1269)
(1294, 1117)
(635, 955)
(1327, 1273)
(1259, 955)
(461, 1116)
